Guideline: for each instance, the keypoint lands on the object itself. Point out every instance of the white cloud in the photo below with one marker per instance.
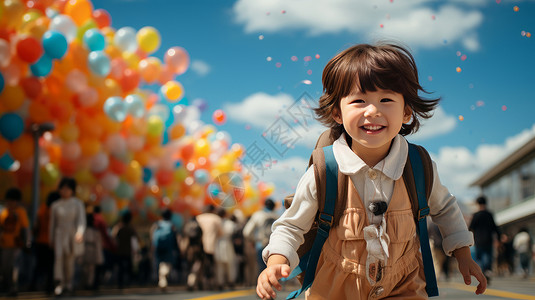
(458, 167)
(414, 22)
(285, 175)
(200, 67)
(441, 123)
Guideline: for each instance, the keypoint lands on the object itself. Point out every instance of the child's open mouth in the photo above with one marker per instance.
(372, 128)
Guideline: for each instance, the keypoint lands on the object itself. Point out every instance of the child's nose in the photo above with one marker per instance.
(371, 111)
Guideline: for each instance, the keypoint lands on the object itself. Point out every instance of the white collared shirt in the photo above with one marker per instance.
(373, 184)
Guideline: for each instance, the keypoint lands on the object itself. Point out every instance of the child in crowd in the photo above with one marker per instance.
(370, 102)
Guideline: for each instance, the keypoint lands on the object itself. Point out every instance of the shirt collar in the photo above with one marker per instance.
(350, 163)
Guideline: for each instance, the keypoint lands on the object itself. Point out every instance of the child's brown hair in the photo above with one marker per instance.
(368, 67)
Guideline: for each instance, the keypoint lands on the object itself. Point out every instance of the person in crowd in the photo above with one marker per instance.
(522, 245)
(123, 233)
(485, 233)
(371, 100)
(224, 255)
(93, 252)
(109, 248)
(44, 254)
(164, 242)
(66, 231)
(506, 256)
(239, 248)
(258, 229)
(211, 225)
(14, 237)
(194, 253)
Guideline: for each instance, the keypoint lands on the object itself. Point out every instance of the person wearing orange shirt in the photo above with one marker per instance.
(14, 236)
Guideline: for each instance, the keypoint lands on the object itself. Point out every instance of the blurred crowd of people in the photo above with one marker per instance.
(71, 247)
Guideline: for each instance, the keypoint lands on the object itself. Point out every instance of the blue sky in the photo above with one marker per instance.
(241, 53)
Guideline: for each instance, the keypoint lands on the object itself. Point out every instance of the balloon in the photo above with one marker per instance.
(42, 67)
(129, 80)
(201, 176)
(49, 174)
(133, 172)
(116, 144)
(22, 148)
(115, 108)
(31, 85)
(147, 175)
(11, 126)
(200, 104)
(125, 39)
(29, 49)
(99, 163)
(99, 63)
(6, 161)
(94, 40)
(177, 59)
(164, 177)
(79, 10)
(165, 75)
(88, 97)
(173, 91)
(65, 25)
(12, 97)
(176, 131)
(179, 112)
(219, 117)
(159, 110)
(76, 81)
(124, 190)
(102, 18)
(110, 181)
(71, 151)
(155, 126)
(54, 44)
(149, 69)
(148, 39)
(117, 166)
(90, 146)
(69, 132)
(13, 11)
(202, 148)
(135, 105)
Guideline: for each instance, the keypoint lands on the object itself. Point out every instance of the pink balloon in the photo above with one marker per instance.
(88, 97)
(177, 59)
(71, 151)
(110, 181)
(99, 162)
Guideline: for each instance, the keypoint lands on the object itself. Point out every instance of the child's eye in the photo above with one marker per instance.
(386, 100)
(357, 101)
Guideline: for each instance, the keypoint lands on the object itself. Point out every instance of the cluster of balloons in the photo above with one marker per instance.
(127, 146)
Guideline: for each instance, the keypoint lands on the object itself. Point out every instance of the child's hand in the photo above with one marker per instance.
(468, 267)
(269, 278)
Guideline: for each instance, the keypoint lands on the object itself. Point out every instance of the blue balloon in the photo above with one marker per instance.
(6, 161)
(135, 106)
(115, 108)
(55, 44)
(42, 67)
(124, 191)
(99, 63)
(11, 126)
(201, 176)
(147, 175)
(94, 40)
(177, 220)
(2, 83)
(214, 189)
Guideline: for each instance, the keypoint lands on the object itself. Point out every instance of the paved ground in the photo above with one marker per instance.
(500, 288)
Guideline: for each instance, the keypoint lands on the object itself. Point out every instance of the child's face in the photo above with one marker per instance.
(372, 120)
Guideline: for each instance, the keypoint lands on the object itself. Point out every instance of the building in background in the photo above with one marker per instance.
(510, 190)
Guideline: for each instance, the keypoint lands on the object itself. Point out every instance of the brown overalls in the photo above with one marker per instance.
(341, 270)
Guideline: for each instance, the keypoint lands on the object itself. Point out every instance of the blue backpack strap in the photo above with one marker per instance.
(423, 211)
(309, 261)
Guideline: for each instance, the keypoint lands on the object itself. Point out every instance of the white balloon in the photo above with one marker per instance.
(125, 39)
(65, 25)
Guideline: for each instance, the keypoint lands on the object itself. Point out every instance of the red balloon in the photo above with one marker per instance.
(32, 87)
(130, 80)
(164, 177)
(102, 18)
(29, 50)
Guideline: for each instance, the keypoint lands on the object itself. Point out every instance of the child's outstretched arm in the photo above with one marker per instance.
(468, 267)
(277, 267)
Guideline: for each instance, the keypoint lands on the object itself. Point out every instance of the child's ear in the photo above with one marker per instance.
(407, 115)
(337, 116)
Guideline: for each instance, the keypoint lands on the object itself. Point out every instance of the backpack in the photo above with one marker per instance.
(265, 230)
(164, 237)
(418, 178)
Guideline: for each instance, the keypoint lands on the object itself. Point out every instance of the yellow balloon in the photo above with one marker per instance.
(202, 148)
(13, 11)
(69, 132)
(173, 91)
(155, 126)
(131, 59)
(148, 39)
(133, 172)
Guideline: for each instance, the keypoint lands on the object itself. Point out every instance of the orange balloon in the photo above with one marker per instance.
(22, 148)
(176, 131)
(54, 152)
(90, 146)
(67, 167)
(102, 18)
(38, 112)
(79, 10)
(12, 97)
(164, 177)
(129, 80)
(117, 166)
(32, 86)
(69, 132)
(61, 110)
(133, 172)
(88, 126)
(149, 69)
